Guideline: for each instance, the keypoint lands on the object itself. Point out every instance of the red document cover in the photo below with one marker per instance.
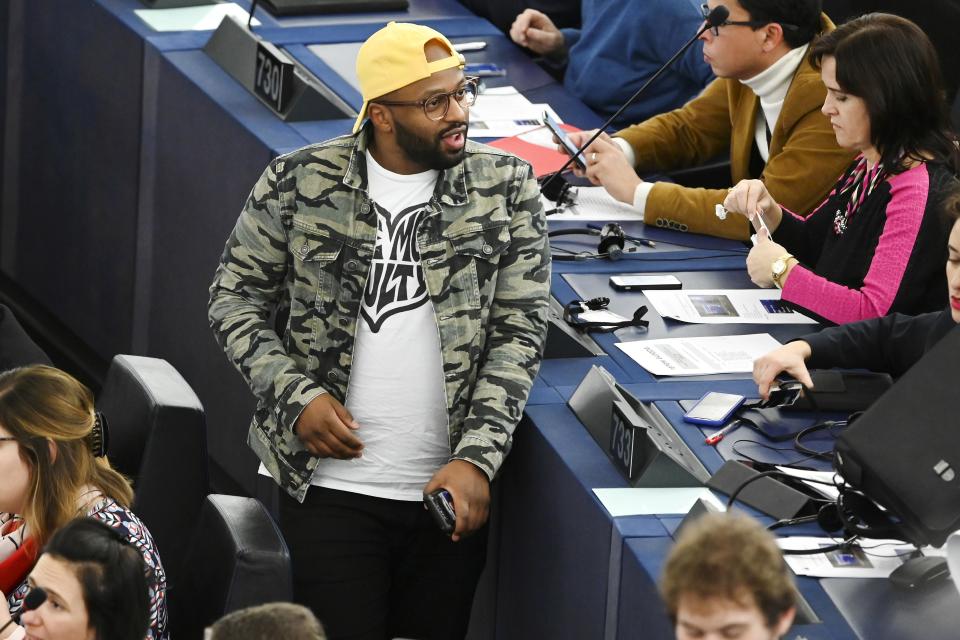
(544, 160)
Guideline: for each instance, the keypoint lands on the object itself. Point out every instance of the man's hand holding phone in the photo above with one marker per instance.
(607, 165)
(469, 488)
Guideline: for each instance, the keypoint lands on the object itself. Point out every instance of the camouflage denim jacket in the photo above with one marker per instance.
(301, 249)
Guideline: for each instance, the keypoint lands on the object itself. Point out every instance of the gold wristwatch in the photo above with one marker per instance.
(779, 268)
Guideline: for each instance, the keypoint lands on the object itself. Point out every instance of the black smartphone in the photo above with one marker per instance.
(440, 505)
(564, 140)
(639, 281)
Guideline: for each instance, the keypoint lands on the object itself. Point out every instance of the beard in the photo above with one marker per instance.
(429, 152)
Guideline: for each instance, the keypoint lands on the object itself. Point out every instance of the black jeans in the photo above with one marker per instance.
(373, 569)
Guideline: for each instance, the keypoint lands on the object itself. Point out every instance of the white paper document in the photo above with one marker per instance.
(868, 559)
(202, 18)
(826, 483)
(641, 502)
(699, 356)
(725, 306)
(594, 204)
(502, 112)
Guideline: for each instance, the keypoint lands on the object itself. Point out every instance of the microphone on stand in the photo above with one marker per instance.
(715, 18)
(35, 597)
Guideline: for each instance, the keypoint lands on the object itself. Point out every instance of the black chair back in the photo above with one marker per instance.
(158, 438)
(237, 559)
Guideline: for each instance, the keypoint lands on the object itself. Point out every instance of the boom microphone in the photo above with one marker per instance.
(715, 18)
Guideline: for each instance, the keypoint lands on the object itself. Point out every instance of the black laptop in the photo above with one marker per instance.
(304, 7)
(904, 451)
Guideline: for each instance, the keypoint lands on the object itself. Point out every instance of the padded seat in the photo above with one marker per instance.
(237, 559)
(158, 438)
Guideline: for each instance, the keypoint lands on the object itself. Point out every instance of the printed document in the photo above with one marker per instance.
(501, 112)
(593, 204)
(718, 306)
(699, 356)
(867, 559)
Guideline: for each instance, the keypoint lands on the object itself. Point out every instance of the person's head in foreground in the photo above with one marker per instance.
(94, 584)
(884, 95)
(416, 98)
(726, 578)
(266, 622)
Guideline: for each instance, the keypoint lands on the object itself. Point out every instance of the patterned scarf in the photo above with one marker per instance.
(859, 183)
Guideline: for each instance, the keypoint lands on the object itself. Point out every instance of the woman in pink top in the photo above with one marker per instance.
(878, 243)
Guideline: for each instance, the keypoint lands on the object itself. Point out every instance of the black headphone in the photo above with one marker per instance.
(612, 242)
(858, 515)
(572, 311)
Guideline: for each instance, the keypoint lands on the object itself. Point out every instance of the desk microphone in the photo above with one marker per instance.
(715, 18)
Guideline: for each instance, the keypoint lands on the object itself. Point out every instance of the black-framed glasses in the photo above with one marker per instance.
(436, 106)
(753, 24)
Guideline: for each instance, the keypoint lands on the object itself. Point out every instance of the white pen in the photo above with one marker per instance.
(478, 45)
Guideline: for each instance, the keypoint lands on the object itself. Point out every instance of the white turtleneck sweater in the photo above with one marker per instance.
(770, 85)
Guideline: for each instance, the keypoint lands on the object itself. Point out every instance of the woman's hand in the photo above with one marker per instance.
(607, 166)
(750, 197)
(761, 258)
(790, 358)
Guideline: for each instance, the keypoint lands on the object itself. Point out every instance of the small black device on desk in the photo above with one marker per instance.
(440, 505)
(640, 281)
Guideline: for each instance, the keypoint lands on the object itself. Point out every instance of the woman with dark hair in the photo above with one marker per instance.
(89, 584)
(877, 244)
(52, 472)
(92, 586)
(891, 344)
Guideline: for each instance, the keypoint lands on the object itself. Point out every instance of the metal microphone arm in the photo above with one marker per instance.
(716, 17)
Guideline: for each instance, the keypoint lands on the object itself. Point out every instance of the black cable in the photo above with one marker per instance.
(771, 448)
(789, 522)
(820, 426)
(745, 483)
(840, 546)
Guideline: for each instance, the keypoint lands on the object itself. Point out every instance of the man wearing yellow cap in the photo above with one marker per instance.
(384, 294)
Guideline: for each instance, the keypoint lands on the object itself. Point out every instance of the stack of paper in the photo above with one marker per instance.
(715, 306)
(503, 111)
(593, 204)
(699, 356)
(868, 559)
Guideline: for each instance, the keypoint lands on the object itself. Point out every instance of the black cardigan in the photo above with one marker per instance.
(890, 344)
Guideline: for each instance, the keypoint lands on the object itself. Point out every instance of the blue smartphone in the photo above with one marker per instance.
(714, 409)
(564, 140)
(483, 69)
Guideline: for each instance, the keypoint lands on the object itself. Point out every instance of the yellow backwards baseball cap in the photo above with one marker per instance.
(393, 57)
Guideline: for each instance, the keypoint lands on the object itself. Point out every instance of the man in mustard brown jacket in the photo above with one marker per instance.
(763, 109)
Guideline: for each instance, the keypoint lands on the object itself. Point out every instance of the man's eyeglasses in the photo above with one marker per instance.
(753, 24)
(436, 106)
